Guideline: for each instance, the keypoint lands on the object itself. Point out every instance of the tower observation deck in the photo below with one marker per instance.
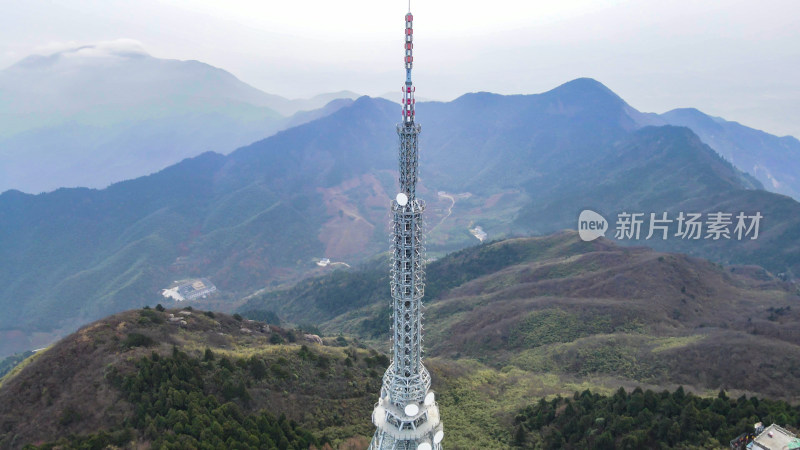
(406, 415)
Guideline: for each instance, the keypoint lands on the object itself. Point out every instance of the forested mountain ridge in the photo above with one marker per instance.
(589, 311)
(187, 378)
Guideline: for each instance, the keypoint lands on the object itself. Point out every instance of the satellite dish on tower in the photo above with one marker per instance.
(438, 437)
(378, 415)
(402, 199)
(429, 399)
(411, 409)
(424, 446)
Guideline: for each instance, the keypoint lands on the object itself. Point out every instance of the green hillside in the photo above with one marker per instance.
(138, 377)
(595, 313)
(644, 419)
(528, 341)
(137, 380)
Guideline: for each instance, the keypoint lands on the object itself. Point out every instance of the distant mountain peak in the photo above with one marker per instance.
(693, 111)
(690, 113)
(372, 104)
(586, 88)
(329, 96)
(585, 83)
(364, 99)
(578, 89)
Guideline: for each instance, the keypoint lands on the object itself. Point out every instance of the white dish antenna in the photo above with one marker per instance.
(411, 409)
(438, 437)
(429, 399)
(378, 415)
(402, 199)
(424, 446)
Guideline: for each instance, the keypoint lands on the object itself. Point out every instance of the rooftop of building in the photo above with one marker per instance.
(775, 437)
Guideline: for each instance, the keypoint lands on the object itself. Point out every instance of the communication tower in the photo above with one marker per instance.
(406, 415)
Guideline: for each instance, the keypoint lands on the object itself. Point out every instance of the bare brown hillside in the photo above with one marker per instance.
(647, 316)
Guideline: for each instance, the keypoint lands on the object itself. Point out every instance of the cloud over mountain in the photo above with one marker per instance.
(115, 47)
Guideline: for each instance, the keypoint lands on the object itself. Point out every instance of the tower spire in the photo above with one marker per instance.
(406, 415)
(408, 89)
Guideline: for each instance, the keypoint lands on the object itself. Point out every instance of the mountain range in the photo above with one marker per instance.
(265, 213)
(96, 114)
(771, 159)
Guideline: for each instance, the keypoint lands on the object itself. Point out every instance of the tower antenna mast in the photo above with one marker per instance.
(406, 415)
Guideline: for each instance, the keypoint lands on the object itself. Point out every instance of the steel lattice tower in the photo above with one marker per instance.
(406, 415)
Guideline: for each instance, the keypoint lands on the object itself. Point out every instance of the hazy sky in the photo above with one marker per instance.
(736, 59)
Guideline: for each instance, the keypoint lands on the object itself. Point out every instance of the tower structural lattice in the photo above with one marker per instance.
(406, 415)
